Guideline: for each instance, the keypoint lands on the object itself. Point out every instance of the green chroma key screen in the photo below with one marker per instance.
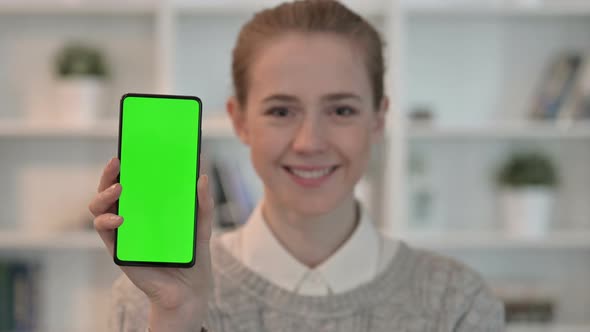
(159, 153)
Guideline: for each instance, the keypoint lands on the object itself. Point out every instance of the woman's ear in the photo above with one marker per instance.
(379, 117)
(238, 119)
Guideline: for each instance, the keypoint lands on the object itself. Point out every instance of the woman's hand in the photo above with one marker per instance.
(178, 295)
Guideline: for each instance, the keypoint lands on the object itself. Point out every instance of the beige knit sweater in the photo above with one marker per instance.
(418, 292)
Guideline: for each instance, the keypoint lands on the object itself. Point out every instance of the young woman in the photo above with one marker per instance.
(309, 103)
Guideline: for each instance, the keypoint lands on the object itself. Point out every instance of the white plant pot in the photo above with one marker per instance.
(78, 100)
(527, 211)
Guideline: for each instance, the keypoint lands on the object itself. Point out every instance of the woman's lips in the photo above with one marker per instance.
(310, 176)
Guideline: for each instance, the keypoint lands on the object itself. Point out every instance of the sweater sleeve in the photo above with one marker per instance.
(484, 314)
(456, 295)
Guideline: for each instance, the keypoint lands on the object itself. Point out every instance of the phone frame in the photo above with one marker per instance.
(160, 264)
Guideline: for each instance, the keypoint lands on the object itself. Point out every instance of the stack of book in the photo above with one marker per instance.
(235, 189)
(18, 296)
(528, 302)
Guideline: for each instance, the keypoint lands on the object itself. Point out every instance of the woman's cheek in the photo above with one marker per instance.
(355, 143)
(265, 151)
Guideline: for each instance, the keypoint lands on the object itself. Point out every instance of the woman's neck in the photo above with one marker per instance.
(311, 239)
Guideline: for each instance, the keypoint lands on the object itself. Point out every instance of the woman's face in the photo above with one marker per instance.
(309, 120)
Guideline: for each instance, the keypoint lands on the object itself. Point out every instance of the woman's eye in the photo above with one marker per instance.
(344, 111)
(280, 112)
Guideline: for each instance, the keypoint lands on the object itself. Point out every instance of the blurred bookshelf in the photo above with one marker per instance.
(475, 65)
(477, 85)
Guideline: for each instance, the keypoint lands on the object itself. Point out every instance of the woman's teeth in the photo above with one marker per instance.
(318, 173)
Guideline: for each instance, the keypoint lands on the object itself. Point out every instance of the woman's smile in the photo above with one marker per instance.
(310, 176)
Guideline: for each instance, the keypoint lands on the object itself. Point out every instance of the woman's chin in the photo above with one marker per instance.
(312, 206)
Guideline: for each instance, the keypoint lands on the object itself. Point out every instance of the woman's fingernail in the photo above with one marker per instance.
(116, 219)
(113, 187)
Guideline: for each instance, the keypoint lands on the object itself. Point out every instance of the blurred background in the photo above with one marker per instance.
(486, 157)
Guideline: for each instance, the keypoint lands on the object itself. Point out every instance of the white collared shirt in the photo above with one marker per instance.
(364, 255)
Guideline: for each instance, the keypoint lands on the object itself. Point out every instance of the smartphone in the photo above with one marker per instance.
(159, 148)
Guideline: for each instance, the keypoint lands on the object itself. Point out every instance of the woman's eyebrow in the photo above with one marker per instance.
(341, 95)
(281, 97)
(329, 97)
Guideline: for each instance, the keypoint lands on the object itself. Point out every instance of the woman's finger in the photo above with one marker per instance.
(109, 174)
(205, 213)
(104, 201)
(105, 225)
(204, 223)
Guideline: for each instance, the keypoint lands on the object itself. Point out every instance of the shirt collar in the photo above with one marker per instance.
(263, 253)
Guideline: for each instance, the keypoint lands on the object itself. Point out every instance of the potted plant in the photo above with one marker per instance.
(527, 182)
(81, 75)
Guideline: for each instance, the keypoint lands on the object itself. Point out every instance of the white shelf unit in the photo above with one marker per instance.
(476, 65)
(23, 241)
(216, 126)
(169, 47)
(84, 7)
(497, 7)
(473, 241)
(518, 131)
(247, 7)
(555, 328)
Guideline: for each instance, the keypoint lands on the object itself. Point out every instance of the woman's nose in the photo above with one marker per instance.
(310, 136)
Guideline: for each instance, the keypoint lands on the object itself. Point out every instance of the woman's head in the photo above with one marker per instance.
(308, 79)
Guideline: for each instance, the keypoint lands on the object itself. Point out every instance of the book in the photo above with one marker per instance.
(5, 298)
(527, 301)
(557, 85)
(583, 91)
(18, 296)
(225, 217)
(577, 103)
(234, 186)
(24, 296)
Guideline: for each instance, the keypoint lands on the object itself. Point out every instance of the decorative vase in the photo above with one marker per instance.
(527, 211)
(78, 100)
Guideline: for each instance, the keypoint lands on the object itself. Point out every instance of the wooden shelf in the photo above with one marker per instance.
(497, 241)
(78, 240)
(523, 130)
(217, 126)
